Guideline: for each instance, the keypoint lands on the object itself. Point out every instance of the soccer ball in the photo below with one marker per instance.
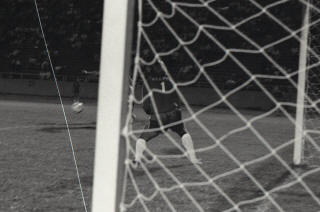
(77, 107)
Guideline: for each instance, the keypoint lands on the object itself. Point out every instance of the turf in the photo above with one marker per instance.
(37, 168)
(38, 172)
(158, 186)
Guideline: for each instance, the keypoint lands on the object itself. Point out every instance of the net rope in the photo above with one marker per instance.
(143, 35)
(312, 86)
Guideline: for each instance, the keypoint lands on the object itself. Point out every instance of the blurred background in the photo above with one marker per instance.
(73, 33)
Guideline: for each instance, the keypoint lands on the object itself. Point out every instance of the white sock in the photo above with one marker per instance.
(188, 144)
(140, 147)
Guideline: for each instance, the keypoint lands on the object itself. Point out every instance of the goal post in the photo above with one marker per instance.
(113, 89)
(301, 90)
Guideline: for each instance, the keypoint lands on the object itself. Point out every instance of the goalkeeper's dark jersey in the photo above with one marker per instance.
(165, 102)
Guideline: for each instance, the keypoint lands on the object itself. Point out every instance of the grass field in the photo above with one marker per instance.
(157, 188)
(37, 168)
(38, 172)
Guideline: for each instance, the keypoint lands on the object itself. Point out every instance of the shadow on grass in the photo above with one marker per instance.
(171, 151)
(63, 127)
(140, 171)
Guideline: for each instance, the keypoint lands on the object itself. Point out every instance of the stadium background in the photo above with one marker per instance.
(227, 75)
(73, 31)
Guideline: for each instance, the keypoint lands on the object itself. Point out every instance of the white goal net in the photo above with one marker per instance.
(311, 116)
(234, 65)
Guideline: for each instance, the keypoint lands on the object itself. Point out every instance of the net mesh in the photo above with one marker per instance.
(238, 61)
(312, 89)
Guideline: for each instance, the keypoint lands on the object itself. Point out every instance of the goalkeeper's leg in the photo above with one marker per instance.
(141, 146)
(141, 143)
(188, 144)
(186, 139)
(171, 117)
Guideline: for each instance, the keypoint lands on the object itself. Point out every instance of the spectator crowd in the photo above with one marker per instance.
(72, 30)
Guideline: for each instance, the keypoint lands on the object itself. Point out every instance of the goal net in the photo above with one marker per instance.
(311, 112)
(236, 67)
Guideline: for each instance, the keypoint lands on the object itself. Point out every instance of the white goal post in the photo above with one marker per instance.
(301, 90)
(113, 86)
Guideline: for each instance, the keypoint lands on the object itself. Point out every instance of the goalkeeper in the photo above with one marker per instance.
(169, 112)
